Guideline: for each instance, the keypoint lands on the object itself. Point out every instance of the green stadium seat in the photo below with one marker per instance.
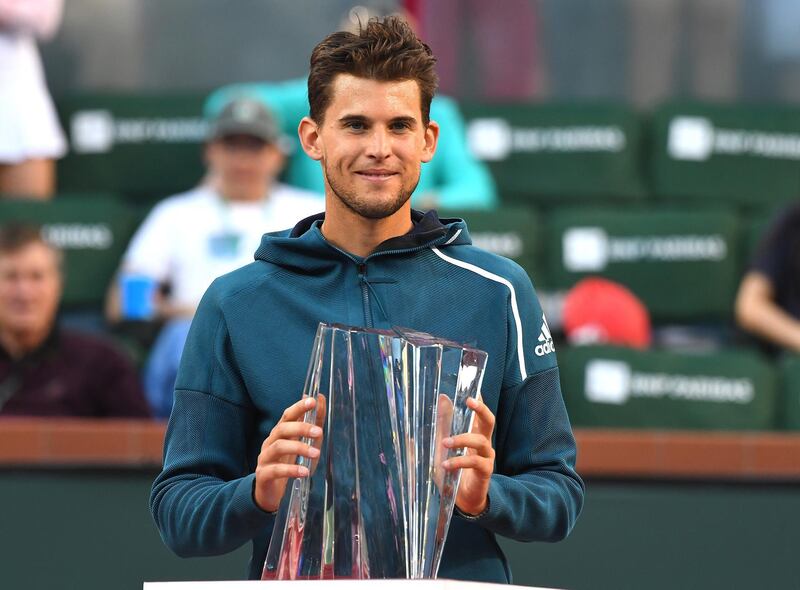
(142, 146)
(728, 153)
(513, 232)
(92, 231)
(683, 265)
(611, 387)
(789, 406)
(547, 153)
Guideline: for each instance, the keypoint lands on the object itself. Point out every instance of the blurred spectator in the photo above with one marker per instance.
(454, 179)
(599, 311)
(768, 301)
(45, 370)
(30, 136)
(504, 60)
(190, 239)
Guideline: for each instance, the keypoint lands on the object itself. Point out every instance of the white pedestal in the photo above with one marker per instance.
(335, 585)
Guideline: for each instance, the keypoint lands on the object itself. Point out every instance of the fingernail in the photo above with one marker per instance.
(302, 471)
(309, 402)
(446, 464)
(313, 452)
(448, 442)
(315, 431)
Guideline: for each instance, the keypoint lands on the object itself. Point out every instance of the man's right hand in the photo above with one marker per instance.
(278, 457)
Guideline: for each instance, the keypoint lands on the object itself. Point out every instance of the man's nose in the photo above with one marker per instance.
(380, 144)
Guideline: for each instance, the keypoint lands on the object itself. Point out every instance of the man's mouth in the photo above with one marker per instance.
(377, 175)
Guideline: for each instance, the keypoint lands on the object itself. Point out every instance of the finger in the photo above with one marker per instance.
(476, 462)
(484, 419)
(475, 441)
(287, 449)
(275, 471)
(293, 430)
(298, 409)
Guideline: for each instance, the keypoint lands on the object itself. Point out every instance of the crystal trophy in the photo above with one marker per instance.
(377, 502)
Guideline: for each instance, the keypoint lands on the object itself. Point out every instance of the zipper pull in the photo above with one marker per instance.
(362, 270)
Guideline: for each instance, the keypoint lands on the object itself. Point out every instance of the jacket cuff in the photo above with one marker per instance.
(484, 513)
(249, 483)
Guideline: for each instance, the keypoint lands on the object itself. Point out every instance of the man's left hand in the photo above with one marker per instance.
(477, 462)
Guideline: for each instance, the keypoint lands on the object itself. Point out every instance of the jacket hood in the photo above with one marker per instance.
(305, 248)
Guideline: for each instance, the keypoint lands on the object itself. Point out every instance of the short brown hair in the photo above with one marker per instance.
(16, 236)
(385, 49)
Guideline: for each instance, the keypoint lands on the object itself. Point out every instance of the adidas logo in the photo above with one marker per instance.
(546, 339)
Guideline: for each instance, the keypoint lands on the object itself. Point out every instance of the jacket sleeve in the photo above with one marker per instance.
(535, 493)
(202, 501)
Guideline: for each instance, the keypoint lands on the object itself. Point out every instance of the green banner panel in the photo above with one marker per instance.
(92, 231)
(789, 410)
(513, 232)
(733, 153)
(624, 388)
(684, 265)
(145, 147)
(552, 152)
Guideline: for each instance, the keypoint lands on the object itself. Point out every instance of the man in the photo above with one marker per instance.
(190, 239)
(454, 179)
(369, 260)
(768, 301)
(44, 370)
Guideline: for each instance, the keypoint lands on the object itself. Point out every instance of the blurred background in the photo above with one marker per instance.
(643, 154)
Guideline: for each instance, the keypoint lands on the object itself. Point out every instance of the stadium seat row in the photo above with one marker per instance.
(732, 390)
(148, 146)
(684, 265)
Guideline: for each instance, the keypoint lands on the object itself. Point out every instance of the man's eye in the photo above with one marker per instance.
(400, 126)
(355, 125)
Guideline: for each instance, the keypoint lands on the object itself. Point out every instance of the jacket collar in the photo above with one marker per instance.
(306, 248)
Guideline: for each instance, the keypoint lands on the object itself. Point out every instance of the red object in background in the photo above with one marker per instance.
(599, 311)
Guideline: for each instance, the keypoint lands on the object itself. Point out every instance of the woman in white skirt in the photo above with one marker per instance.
(30, 136)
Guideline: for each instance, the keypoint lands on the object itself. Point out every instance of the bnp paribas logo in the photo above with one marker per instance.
(690, 138)
(92, 131)
(608, 381)
(99, 131)
(490, 139)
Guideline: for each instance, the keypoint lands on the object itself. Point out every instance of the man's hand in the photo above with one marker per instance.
(277, 460)
(477, 462)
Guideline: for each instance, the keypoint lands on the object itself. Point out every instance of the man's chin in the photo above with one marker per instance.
(379, 210)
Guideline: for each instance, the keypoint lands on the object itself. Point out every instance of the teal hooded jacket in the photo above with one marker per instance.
(245, 361)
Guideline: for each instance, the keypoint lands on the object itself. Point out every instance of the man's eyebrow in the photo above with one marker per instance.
(353, 118)
(410, 121)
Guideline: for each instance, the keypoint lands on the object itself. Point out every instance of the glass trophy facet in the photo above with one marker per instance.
(377, 502)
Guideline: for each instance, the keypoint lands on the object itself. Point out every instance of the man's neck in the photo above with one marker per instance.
(358, 235)
(18, 344)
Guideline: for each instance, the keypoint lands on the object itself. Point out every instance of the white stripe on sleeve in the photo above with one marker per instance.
(514, 308)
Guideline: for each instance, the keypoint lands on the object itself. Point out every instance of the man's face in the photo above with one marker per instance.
(372, 143)
(30, 288)
(243, 166)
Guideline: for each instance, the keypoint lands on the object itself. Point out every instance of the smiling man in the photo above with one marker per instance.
(369, 260)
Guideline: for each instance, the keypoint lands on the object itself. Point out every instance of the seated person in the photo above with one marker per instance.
(454, 179)
(768, 301)
(46, 370)
(190, 239)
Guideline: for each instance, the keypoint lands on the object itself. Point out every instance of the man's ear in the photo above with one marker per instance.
(431, 141)
(308, 131)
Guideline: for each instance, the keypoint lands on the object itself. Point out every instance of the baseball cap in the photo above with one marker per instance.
(600, 311)
(245, 116)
